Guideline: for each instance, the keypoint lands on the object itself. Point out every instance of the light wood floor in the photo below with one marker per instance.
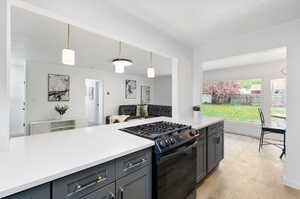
(247, 174)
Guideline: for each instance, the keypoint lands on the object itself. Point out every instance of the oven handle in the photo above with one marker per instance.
(184, 150)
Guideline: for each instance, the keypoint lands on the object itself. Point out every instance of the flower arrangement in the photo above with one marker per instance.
(61, 109)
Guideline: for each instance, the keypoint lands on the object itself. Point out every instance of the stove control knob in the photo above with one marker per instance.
(193, 133)
(173, 141)
(162, 143)
(168, 141)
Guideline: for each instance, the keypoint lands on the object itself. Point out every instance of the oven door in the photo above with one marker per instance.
(175, 175)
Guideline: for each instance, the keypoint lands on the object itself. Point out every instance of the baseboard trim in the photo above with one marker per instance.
(291, 183)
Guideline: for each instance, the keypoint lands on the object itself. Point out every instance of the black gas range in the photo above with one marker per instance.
(174, 158)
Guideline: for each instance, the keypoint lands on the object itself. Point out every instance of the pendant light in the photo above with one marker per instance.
(68, 55)
(121, 63)
(151, 70)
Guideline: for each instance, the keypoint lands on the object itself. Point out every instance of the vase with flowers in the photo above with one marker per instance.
(61, 109)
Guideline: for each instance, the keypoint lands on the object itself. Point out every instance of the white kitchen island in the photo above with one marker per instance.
(38, 159)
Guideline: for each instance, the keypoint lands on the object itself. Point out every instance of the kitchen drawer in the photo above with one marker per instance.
(79, 184)
(133, 162)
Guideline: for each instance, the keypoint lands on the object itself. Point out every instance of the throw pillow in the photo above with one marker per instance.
(138, 109)
(146, 110)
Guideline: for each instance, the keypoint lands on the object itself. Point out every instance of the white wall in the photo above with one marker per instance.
(17, 99)
(38, 107)
(266, 72)
(4, 73)
(100, 17)
(274, 37)
(163, 90)
(255, 71)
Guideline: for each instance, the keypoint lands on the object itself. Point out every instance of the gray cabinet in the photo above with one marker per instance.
(79, 184)
(212, 155)
(133, 162)
(127, 177)
(215, 145)
(220, 146)
(107, 192)
(136, 185)
(201, 157)
(40, 192)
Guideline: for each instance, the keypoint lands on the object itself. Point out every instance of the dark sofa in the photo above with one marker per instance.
(153, 111)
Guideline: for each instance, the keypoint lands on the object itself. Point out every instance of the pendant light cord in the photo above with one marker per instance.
(68, 37)
(120, 49)
(151, 64)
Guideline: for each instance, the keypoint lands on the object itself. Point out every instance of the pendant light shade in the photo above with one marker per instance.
(119, 67)
(121, 63)
(151, 72)
(68, 55)
(151, 69)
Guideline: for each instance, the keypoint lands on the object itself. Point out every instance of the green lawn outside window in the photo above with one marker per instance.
(232, 112)
(236, 112)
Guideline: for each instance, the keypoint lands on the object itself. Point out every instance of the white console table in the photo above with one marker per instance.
(38, 127)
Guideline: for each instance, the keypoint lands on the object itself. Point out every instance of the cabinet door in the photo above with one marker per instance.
(201, 159)
(40, 192)
(136, 185)
(107, 192)
(220, 147)
(212, 152)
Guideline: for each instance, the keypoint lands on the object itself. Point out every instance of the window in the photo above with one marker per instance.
(233, 100)
(278, 105)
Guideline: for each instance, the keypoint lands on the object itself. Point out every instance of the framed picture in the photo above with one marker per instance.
(130, 92)
(58, 88)
(145, 94)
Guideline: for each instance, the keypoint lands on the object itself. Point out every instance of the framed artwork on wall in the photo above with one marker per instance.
(130, 92)
(58, 88)
(145, 94)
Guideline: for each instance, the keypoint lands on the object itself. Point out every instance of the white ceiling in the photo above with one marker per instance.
(38, 38)
(268, 56)
(197, 21)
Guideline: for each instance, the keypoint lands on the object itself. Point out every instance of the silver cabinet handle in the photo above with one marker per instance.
(122, 192)
(112, 195)
(80, 187)
(137, 164)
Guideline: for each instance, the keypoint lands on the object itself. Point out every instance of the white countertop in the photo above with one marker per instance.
(38, 159)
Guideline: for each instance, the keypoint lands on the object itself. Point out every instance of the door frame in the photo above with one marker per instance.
(99, 97)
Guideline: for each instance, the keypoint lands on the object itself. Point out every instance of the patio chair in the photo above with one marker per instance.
(270, 130)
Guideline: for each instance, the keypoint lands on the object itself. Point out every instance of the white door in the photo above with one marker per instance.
(17, 101)
(99, 101)
(94, 102)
